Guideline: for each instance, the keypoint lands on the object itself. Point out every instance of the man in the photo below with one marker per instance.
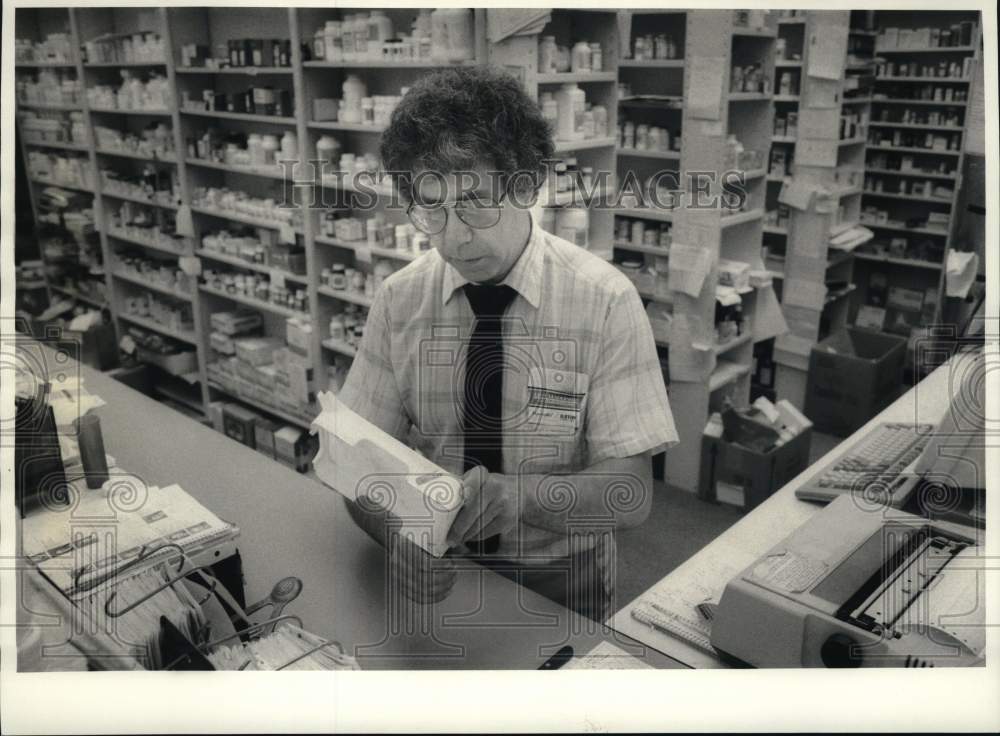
(507, 355)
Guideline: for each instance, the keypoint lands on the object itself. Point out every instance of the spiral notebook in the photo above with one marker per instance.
(99, 531)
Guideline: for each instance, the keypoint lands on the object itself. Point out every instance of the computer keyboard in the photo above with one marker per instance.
(880, 456)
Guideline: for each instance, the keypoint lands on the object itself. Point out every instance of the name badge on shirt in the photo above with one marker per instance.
(556, 400)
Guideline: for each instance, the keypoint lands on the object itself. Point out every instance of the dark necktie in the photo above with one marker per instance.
(481, 418)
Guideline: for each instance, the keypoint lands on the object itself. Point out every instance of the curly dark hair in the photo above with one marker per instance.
(459, 118)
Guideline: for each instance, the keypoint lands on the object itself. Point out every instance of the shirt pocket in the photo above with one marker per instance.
(556, 402)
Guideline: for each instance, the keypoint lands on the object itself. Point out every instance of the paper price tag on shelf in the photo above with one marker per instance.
(184, 223)
(363, 253)
(191, 265)
(286, 234)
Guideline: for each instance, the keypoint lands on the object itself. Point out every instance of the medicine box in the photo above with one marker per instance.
(236, 322)
(239, 424)
(853, 375)
(264, 431)
(257, 350)
(294, 448)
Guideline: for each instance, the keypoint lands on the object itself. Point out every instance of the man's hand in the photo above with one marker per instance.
(421, 577)
(490, 507)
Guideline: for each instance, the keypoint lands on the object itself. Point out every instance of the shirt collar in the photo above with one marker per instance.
(525, 277)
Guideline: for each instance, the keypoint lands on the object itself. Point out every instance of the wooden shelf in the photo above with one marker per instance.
(740, 32)
(907, 197)
(726, 373)
(917, 126)
(251, 302)
(181, 335)
(776, 230)
(345, 295)
(904, 149)
(45, 65)
(152, 285)
(61, 185)
(911, 262)
(927, 50)
(346, 127)
(787, 98)
(140, 200)
(246, 117)
(79, 147)
(258, 267)
(124, 237)
(237, 217)
(750, 97)
(269, 172)
(911, 172)
(264, 407)
(851, 141)
(50, 106)
(408, 64)
(740, 218)
(653, 250)
(646, 213)
(122, 64)
(576, 78)
(120, 111)
(660, 155)
(921, 80)
(240, 70)
(565, 146)
(902, 101)
(784, 139)
(136, 156)
(651, 64)
(904, 229)
(788, 63)
(74, 294)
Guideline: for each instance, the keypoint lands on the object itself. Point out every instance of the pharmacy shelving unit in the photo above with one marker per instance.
(655, 98)
(791, 53)
(92, 24)
(520, 55)
(818, 277)
(915, 229)
(704, 373)
(36, 24)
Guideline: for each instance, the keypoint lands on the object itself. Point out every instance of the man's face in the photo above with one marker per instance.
(478, 254)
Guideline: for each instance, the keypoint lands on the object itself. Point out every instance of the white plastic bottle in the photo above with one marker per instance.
(333, 42)
(361, 36)
(289, 146)
(571, 101)
(354, 91)
(379, 27)
(580, 57)
(547, 52)
(347, 38)
(461, 43)
(550, 109)
(327, 149)
(439, 35)
(573, 224)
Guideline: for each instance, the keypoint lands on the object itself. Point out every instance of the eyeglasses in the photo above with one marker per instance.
(474, 212)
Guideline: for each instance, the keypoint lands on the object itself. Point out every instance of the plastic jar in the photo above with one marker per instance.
(547, 52)
(319, 45)
(600, 121)
(269, 143)
(354, 91)
(596, 57)
(550, 109)
(573, 224)
(571, 101)
(327, 150)
(580, 58)
(367, 111)
(289, 146)
(333, 42)
(337, 328)
(338, 277)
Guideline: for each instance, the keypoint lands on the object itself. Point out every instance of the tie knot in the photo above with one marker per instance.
(489, 300)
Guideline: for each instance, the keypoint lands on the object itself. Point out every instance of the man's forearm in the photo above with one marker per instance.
(617, 491)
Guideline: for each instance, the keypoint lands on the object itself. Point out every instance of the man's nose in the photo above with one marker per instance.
(456, 234)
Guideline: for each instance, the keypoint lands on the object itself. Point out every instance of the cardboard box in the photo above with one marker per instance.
(264, 431)
(853, 375)
(734, 474)
(257, 350)
(294, 448)
(239, 424)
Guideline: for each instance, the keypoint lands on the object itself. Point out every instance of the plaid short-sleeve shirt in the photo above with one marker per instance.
(582, 382)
